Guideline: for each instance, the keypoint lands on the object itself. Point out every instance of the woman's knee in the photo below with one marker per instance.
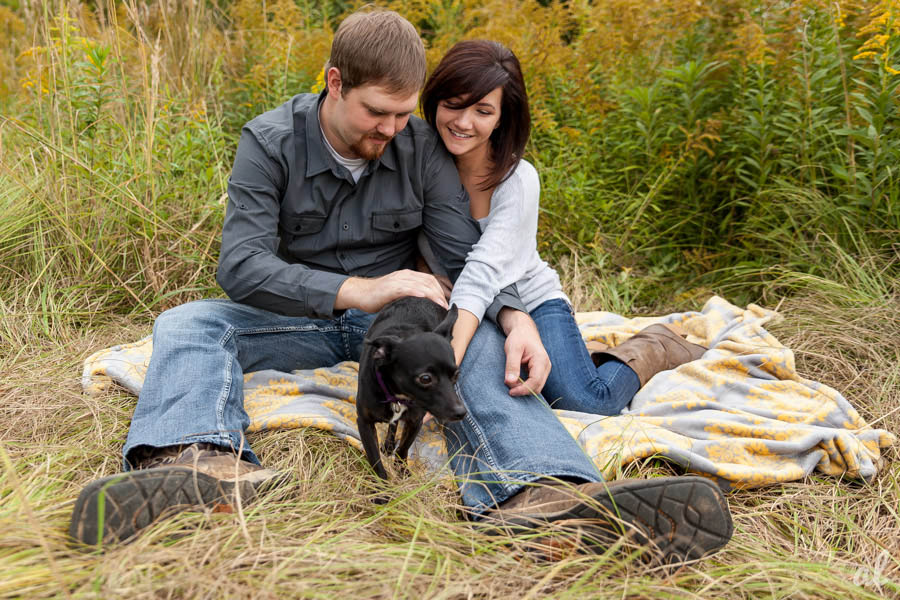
(595, 395)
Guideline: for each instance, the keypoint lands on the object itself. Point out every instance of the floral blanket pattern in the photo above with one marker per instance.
(740, 414)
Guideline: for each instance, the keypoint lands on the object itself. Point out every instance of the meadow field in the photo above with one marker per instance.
(745, 148)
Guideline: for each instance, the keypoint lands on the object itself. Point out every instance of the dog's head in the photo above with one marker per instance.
(421, 369)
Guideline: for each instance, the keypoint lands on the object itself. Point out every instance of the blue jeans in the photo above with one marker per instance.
(193, 392)
(574, 382)
(194, 387)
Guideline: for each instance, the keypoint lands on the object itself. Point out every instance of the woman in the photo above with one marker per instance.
(477, 102)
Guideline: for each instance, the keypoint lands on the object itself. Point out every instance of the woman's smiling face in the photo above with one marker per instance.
(467, 131)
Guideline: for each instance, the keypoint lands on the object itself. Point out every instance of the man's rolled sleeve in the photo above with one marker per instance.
(250, 270)
(507, 298)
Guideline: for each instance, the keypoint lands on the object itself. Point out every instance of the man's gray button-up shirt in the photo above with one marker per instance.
(297, 225)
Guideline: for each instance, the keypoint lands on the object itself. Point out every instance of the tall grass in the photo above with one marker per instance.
(742, 147)
(677, 140)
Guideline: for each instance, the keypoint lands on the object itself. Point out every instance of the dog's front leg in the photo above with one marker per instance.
(390, 440)
(369, 439)
(411, 429)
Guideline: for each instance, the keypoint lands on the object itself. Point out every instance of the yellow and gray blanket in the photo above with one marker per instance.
(740, 414)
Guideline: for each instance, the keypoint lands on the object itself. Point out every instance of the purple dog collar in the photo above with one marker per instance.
(388, 396)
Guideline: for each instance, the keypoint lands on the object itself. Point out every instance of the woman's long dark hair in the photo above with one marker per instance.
(472, 69)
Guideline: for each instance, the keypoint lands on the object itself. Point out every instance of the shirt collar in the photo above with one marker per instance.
(316, 152)
(317, 157)
(389, 157)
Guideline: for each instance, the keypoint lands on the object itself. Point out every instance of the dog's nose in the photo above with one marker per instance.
(457, 413)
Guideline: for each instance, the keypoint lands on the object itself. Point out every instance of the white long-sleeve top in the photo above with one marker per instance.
(507, 252)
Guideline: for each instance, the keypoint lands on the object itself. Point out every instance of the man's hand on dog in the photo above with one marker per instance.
(371, 295)
(523, 350)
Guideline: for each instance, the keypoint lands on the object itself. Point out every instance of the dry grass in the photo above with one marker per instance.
(321, 537)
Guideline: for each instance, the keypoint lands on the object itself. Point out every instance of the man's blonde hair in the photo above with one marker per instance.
(378, 47)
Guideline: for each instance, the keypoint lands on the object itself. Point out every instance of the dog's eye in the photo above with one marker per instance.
(425, 379)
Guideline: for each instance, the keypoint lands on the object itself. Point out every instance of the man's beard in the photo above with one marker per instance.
(363, 148)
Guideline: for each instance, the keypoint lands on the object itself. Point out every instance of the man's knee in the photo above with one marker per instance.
(482, 370)
(199, 314)
(486, 346)
(487, 337)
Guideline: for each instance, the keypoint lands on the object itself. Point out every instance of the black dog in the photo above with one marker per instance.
(407, 368)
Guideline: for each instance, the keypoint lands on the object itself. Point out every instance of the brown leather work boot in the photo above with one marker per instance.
(680, 518)
(167, 481)
(653, 349)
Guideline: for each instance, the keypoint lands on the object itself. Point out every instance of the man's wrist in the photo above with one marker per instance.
(349, 292)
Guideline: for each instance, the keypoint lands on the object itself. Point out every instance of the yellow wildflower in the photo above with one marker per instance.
(319, 85)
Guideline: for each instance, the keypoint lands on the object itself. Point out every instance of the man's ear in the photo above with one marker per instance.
(384, 348)
(445, 327)
(333, 82)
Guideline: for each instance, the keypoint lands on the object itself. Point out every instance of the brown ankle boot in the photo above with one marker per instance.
(655, 348)
(210, 459)
(166, 481)
(680, 518)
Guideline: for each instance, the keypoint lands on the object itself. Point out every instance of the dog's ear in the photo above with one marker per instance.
(445, 327)
(384, 347)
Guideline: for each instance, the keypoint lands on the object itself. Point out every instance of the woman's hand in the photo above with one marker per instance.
(523, 349)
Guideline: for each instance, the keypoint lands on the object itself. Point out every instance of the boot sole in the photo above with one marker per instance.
(116, 508)
(680, 518)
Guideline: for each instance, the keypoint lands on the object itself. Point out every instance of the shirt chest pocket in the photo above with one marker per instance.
(303, 231)
(394, 225)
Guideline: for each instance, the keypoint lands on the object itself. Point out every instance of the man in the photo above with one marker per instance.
(326, 198)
